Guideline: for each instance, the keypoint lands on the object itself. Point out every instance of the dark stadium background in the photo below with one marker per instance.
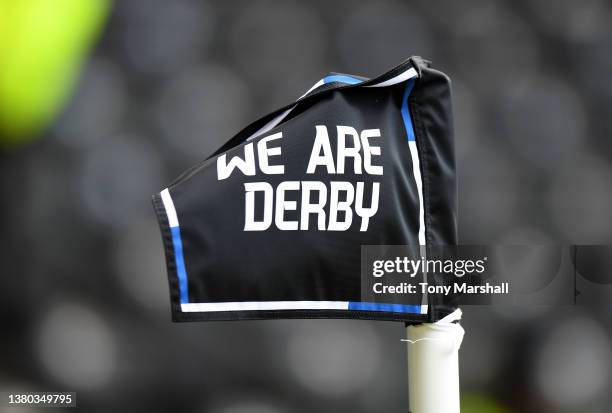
(83, 295)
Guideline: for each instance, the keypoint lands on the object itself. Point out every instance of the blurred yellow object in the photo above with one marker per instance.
(42, 46)
(475, 403)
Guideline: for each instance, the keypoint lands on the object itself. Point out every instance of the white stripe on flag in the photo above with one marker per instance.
(416, 170)
(316, 85)
(169, 206)
(408, 74)
(271, 124)
(264, 305)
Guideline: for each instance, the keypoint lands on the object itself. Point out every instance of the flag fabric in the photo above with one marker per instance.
(271, 225)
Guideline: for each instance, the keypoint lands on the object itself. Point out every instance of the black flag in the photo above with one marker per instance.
(272, 224)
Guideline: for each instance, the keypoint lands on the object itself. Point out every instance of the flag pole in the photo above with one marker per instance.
(433, 365)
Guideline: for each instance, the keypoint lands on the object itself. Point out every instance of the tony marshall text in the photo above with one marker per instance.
(454, 288)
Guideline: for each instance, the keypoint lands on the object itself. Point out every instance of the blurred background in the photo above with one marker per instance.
(104, 103)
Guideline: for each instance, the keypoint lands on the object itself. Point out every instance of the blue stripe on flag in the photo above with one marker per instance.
(406, 112)
(341, 78)
(394, 308)
(180, 264)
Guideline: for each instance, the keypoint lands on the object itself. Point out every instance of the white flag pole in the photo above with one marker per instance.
(433, 365)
